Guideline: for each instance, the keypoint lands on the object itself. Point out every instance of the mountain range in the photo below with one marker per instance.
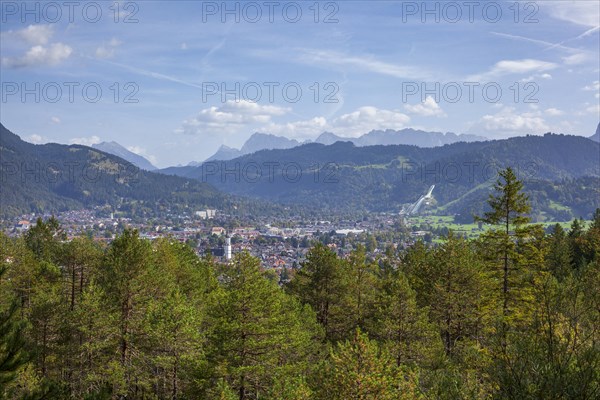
(405, 136)
(54, 177)
(262, 141)
(561, 175)
(561, 172)
(116, 149)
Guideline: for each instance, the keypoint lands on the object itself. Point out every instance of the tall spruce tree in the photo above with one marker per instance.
(322, 283)
(361, 370)
(509, 209)
(261, 334)
(12, 343)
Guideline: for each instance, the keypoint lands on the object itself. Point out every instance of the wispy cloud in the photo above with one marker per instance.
(509, 67)
(582, 12)
(151, 74)
(539, 42)
(577, 56)
(362, 62)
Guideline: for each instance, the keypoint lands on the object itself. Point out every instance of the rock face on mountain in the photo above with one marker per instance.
(223, 154)
(413, 137)
(596, 137)
(263, 141)
(256, 142)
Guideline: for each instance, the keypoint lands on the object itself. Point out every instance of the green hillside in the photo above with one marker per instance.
(560, 172)
(54, 177)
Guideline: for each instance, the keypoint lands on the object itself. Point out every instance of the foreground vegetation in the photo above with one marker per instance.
(513, 314)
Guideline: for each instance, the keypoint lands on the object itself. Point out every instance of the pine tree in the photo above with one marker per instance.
(558, 356)
(461, 305)
(128, 279)
(361, 275)
(97, 330)
(12, 344)
(577, 239)
(44, 239)
(509, 208)
(399, 324)
(174, 345)
(260, 333)
(416, 262)
(360, 370)
(322, 283)
(559, 256)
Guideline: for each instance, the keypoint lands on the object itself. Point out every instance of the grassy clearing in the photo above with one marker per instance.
(470, 230)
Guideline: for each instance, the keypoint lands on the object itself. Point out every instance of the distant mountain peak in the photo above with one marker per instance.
(328, 138)
(596, 137)
(118, 150)
(224, 153)
(267, 141)
(256, 142)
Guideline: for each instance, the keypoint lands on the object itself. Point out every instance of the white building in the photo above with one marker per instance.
(228, 248)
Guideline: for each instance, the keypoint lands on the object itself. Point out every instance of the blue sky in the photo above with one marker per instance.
(360, 65)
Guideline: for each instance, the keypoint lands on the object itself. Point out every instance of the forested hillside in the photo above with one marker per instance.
(514, 314)
(382, 178)
(54, 177)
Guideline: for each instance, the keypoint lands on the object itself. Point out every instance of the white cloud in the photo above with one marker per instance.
(368, 118)
(140, 151)
(230, 117)
(508, 67)
(39, 56)
(594, 110)
(554, 112)
(577, 58)
(249, 108)
(85, 141)
(36, 34)
(183, 46)
(594, 87)
(581, 12)
(353, 124)
(533, 78)
(55, 120)
(298, 129)
(136, 149)
(428, 108)
(234, 117)
(33, 34)
(107, 50)
(509, 122)
(37, 139)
